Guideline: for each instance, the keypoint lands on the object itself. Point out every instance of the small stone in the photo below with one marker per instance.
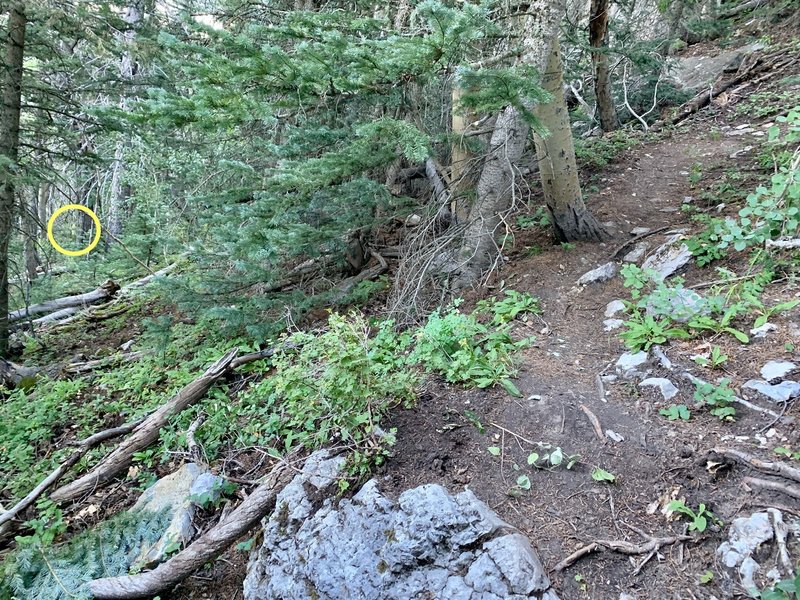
(640, 230)
(600, 274)
(665, 386)
(663, 359)
(628, 363)
(781, 392)
(608, 378)
(614, 307)
(745, 536)
(612, 324)
(775, 370)
(613, 435)
(637, 252)
(760, 333)
(125, 346)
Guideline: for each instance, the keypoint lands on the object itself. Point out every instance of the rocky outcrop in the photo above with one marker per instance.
(426, 544)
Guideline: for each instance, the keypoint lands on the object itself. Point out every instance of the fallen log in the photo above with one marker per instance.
(109, 361)
(106, 291)
(83, 447)
(145, 434)
(773, 486)
(11, 374)
(207, 547)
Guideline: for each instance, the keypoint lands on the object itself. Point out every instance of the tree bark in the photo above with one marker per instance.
(598, 41)
(460, 156)
(557, 167)
(9, 146)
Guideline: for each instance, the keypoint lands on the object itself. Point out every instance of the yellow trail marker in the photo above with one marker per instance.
(81, 208)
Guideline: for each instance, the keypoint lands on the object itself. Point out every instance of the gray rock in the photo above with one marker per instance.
(637, 252)
(684, 304)
(759, 333)
(612, 324)
(640, 230)
(427, 543)
(178, 493)
(781, 392)
(665, 386)
(669, 257)
(775, 370)
(745, 536)
(695, 73)
(663, 359)
(598, 275)
(628, 364)
(613, 307)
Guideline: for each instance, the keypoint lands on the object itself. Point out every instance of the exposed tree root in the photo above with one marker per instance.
(207, 547)
(776, 468)
(650, 547)
(774, 486)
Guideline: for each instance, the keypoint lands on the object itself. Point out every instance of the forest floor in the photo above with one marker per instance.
(712, 158)
(658, 460)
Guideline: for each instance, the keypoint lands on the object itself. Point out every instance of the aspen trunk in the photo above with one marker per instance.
(556, 155)
(9, 146)
(460, 156)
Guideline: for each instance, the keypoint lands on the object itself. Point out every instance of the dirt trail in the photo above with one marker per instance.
(565, 509)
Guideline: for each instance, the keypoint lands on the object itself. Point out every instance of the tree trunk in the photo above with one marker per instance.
(9, 146)
(494, 194)
(556, 155)
(598, 41)
(495, 189)
(119, 193)
(460, 156)
(30, 228)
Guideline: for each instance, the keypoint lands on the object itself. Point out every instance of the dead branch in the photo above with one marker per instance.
(775, 468)
(598, 430)
(195, 452)
(344, 287)
(106, 291)
(109, 361)
(774, 486)
(207, 547)
(793, 243)
(653, 544)
(83, 447)
(741, 8)
(146, 434)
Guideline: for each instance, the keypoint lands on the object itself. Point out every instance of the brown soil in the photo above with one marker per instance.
(565, 509)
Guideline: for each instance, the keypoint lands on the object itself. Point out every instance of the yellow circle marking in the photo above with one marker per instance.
(81, 208)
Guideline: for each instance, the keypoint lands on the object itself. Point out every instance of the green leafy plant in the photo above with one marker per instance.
(787, 452)
(550, 457)
(778, 308)
(786, 589)
(718, 397)
(466, 351)
(675, 412)
(642, 331)
(706, 578)
(715, 359)
(599, 474)
(698, 520)
(510, 307)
